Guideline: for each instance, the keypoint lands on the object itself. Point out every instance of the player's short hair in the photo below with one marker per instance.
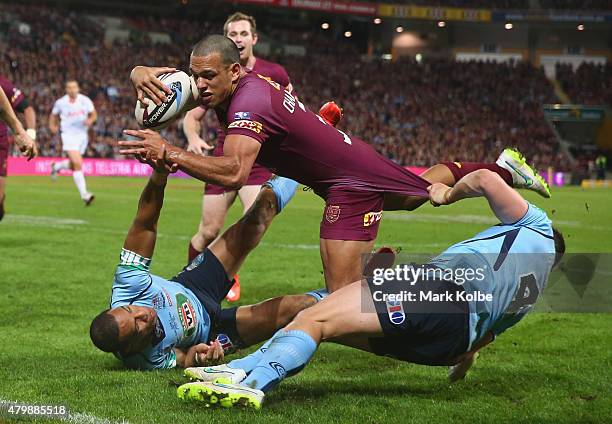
(217, 44)
(239, 16)
(69, 80)
(559, 245)
(104, 332)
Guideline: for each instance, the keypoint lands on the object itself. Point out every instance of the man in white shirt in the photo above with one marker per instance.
(76, 113)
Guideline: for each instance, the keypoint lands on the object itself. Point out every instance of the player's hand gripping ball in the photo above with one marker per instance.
(184, 96)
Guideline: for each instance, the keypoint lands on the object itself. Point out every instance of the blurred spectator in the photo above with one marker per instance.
(589, 84)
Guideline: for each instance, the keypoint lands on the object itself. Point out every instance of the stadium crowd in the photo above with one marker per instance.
(589, 84)
(415, 113)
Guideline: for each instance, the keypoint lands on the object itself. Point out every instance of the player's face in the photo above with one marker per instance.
(136, 326)
(72, 88)
(214, 79)
(241, 33)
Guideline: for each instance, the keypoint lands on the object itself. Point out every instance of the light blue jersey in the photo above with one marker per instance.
(183, 321)
(515, 260)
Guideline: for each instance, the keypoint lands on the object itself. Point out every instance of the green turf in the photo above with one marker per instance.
(57, 262)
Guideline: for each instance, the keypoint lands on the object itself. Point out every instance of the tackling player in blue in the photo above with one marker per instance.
(515, 258)
(155, 323)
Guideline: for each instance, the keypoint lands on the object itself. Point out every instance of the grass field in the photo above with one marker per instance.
(57, 262)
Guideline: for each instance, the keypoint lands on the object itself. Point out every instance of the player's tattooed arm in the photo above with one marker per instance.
(230, 170)
(505, 202)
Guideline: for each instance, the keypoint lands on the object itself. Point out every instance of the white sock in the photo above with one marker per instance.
(64, 164)
(79, 180)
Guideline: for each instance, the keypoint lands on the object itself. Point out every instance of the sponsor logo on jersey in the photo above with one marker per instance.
(280, 370)
(242, 115)
(371, 218)
(186, 313)
(168, 297)
(332, 213)
(158, 301)
(196, 261)
(226, 343)
(395, 309)
(247, 124)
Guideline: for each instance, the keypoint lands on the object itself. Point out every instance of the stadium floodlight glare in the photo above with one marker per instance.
(441, 24)
(377, 21)
(348, 34)
(325, 25)
(399, 29)
(580, 27)
(508, 25)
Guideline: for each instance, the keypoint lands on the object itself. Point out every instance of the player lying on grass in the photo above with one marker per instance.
(515, 258)
(158, 323)
(265, 123)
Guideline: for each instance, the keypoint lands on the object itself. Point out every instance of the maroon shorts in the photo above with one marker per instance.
(4, 152)
(351, 215)
(258, 176)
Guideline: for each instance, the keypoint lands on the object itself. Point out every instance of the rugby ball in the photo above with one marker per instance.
(184, 96)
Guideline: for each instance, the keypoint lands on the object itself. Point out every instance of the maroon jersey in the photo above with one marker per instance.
(298, 144)
(259, 174)
(15, 97)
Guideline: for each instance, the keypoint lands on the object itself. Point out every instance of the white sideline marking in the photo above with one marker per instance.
(76, 418)
(41, 220)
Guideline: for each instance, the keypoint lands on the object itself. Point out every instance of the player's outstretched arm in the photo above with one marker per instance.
(505, 202)
(143, 233)
(230, 170)
(192, 128)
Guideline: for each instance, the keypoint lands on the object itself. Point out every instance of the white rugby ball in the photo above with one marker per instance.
(184, 96)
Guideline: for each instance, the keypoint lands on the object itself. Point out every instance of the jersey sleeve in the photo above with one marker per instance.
(249, 115)
(132, 278)
(536, 219)
(14, 95)
(89, 106)
(150, 359)
(56, 108)
(282, 77)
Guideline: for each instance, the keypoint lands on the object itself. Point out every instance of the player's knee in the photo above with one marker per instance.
(484, 177)
(295, 305)
(209, 232)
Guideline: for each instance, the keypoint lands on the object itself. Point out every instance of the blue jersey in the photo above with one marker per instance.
(182, 320)
(515, 261)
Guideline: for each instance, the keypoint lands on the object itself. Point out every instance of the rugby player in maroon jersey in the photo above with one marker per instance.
(264, 122)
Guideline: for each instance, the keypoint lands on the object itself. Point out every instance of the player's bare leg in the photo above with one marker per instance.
(2, 196)
(76, 163)
(214, 210)
(247, 195)
(253, 321)
(342, 261)
(233, 246)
